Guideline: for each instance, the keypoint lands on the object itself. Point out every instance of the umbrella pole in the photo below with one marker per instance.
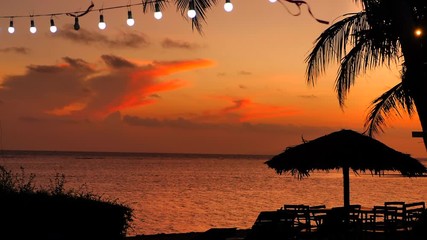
(346, 186)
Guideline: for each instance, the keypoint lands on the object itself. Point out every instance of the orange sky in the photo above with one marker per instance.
(160, 87)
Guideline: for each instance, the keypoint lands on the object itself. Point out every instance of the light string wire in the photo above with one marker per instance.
(77, 14)
(83, 12)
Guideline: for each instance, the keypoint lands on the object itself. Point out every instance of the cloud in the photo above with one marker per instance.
(153, 122)
(245, 73)
(68, 109)
(308, 96)
(78, 89)
(126, 88)
(169, 43)
(245, 110)
(31, 119)
(19, 50)
(122, 40)
(117, 62)
(155, 96)
(193, 124)
(46, 87)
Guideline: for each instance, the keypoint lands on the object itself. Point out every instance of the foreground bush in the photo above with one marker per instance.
(27, 212)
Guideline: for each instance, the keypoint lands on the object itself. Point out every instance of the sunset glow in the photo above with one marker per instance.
(244, 77)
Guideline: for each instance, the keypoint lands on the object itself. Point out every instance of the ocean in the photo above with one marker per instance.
(178, 193)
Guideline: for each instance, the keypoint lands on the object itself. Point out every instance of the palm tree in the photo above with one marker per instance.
(381, 34)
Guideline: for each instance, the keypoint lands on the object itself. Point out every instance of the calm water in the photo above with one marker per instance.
(175, 193)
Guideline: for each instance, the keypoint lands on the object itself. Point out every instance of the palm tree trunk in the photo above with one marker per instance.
(414, 49)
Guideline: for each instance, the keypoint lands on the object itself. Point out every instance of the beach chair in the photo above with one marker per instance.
(414, 211)
(335, 224)
(383, 220)
(400, 213)
(317, 216)
(302, 216)
(354, 214)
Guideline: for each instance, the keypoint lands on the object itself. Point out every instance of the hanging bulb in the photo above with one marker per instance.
(157, 14)
(130, 20)
(33, 28)
(76, 24)
(191, 12)
(272, 1)
(228, 6)
(102, 25)
(11, 29)
(53, 28)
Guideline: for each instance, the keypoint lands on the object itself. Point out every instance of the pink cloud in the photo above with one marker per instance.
(247, 110)
(79, 89)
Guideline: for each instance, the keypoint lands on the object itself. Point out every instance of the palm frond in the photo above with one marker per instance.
(390, 102)
(349, 69)
(332, 43)
(369, 52)
(150, 5)
(201, 7)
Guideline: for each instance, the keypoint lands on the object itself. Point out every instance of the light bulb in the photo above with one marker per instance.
(33, 28)
(11, 29)
(102, 25)
(157, 14)
(130, 20)
(191, 12)
(228, 6)
(76, 24)
(272, 1)
(53, 28)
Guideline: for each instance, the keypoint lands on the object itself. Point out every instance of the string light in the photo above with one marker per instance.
(130, 22)
(228, 6)
(191, 12)
(33, 28)
(53, 28)
(102, 25)
(76, 23)
(11, 29)
(157, 13)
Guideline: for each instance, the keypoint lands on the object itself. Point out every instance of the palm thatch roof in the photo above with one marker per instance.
(345, 148)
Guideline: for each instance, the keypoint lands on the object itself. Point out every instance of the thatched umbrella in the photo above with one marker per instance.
(345, 149)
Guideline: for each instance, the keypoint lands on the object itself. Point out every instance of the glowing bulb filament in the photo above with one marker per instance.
(102, 25)
(130, 20)
(11, 29)
(228, 6)
(33, 28)
(53, 28)
(157, 14)
(191, 12)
